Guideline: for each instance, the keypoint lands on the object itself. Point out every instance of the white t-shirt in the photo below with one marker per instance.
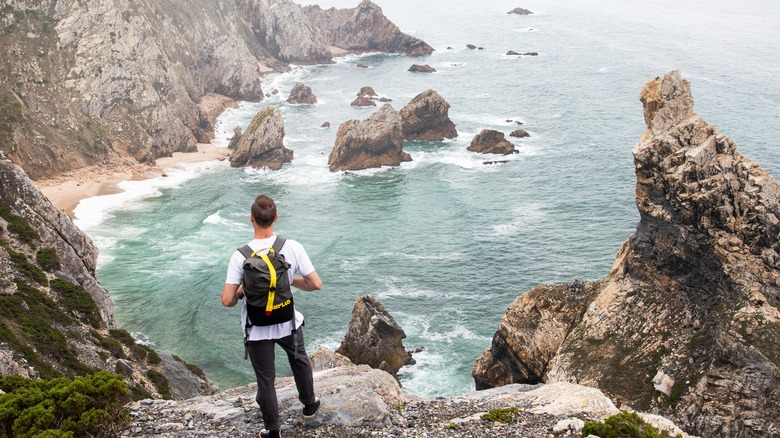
(300, 264)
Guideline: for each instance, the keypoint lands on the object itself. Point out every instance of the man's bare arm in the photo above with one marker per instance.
(309, 282)
(231, 294)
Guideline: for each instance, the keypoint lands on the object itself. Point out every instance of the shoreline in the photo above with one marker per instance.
(67, 190)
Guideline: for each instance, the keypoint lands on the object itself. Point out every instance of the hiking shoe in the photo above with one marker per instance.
(311, 409)
(270, 434)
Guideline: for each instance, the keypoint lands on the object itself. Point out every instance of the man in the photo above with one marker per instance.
(262, 339)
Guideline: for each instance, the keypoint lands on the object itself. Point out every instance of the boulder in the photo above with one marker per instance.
(520, 11)
(530, 54)
(262, 144)
(374, 338)
(687, 320)
(490, 141)
(325, 125)
(361, 65)
(520, 133)
(426, 118)
(374, 142)
(301, 94)
(422, 68)
(363, 101)
(471, 46)
(511, 52)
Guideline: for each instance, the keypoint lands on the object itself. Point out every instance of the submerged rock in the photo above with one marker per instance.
(687, 321)
(520, 133)
(426, 118)
(374, 142)
(262, 145)
(422, 68)
(520, 11)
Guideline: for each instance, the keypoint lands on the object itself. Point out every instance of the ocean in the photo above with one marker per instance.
(445, 242)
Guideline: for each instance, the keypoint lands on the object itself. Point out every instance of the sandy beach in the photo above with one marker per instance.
(67, 190)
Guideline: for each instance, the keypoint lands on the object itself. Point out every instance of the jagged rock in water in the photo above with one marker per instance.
(325, 125)
(375, 142)
(417, 68)
(301, 94)
(426, 118)
(262, 145)
(367, 91)
(490, 141)
(363, 101)
(520, 11)
(374, 338)
(687, 320)
(520, 133)
(236, 138)
(364, 29)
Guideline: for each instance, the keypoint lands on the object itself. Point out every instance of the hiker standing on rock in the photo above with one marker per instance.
(263, 271)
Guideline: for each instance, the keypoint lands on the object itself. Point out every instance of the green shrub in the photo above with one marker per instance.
(111, 345)
(623, 425)
(24, 265)
(122, 336)
(91, 405)
(38, 321)
(76, 299)
(17, 224)
(503, 415)
(138, 392)
(161, 383)
(48, 259)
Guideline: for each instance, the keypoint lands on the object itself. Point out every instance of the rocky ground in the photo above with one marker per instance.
(431, 418)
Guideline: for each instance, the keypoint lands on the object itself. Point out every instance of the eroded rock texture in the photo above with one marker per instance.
(687, 320)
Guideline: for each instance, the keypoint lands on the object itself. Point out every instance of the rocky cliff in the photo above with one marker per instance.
(91, 81)
(55, 319)
(687, 321)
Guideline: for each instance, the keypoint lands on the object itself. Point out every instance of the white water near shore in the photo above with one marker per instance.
(445, 242)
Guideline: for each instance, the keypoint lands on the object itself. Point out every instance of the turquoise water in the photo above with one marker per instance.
(444, 242)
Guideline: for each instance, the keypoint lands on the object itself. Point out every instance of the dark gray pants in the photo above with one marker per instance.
(261, 354)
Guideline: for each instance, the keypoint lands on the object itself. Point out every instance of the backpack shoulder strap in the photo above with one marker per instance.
(245, 251)
(278, 244)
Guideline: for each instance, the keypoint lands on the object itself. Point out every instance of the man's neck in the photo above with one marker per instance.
(264, 233)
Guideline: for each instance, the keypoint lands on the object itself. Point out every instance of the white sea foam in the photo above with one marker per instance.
(92, 212)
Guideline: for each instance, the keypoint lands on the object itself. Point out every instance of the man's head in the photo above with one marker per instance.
(264, 211)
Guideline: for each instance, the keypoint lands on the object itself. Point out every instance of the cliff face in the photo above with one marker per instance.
(687, 320)
(55, 319)
(85, 81)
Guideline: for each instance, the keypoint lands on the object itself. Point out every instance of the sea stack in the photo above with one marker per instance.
(375, 142)
(687, 321)
(426, 118)
(262, 145)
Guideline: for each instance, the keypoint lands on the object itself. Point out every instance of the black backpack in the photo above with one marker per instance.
(267, 286)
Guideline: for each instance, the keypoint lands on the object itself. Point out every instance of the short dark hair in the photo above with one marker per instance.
(264, 211)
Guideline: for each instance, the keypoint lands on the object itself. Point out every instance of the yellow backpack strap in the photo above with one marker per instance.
(272, 286)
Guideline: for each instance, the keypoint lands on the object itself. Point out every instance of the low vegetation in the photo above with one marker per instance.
(93, 405)
(623, 425)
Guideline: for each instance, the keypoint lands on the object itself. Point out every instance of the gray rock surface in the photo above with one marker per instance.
(364, 29)
(127, 79)
(262, 145)
(374, 142)
(687, 320)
